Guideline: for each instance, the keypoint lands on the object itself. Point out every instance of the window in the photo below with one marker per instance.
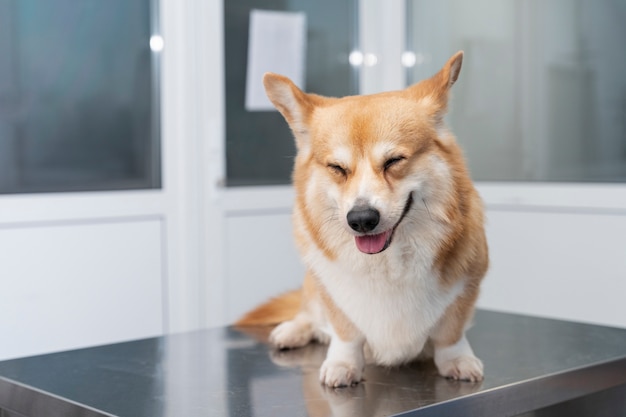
(78, 95)
(542, 96)
(259, 146)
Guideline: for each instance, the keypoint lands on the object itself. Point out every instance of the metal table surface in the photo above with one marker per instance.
(530, 364)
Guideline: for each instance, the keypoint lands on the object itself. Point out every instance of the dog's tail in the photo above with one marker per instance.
(278, 309)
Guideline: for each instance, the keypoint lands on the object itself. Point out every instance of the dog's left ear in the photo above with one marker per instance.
(434, 90)
(450, 72)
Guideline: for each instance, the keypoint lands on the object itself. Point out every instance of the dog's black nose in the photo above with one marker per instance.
(363, 219)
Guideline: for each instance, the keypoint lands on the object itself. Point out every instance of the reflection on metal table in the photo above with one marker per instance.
(533, 367)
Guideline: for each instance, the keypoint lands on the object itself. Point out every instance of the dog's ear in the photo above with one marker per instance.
(295, 105)
(450, 72)
(434, 90)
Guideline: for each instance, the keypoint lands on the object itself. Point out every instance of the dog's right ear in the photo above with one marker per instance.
(295, 105)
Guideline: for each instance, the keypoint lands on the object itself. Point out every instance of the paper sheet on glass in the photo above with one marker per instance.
(276, 43)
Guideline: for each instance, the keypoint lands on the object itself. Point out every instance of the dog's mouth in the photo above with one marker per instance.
(372, 244)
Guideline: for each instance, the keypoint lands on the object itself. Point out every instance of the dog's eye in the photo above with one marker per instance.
(392, 161)
(337, 169)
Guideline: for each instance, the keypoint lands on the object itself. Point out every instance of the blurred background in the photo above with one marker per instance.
(140, 196)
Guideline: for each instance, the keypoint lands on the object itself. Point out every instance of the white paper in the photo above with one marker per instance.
(276, 43)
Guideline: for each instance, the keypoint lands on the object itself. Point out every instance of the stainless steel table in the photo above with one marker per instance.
(533, 367)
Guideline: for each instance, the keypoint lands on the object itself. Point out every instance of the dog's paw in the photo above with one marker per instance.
(291, 334)
(340, 374)
(463, 368)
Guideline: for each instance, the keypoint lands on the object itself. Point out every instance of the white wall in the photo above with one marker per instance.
(562, 264)
(73, 284)
(557, 250)
(260, 264)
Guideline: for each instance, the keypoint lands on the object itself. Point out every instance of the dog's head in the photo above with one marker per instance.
(372, 158)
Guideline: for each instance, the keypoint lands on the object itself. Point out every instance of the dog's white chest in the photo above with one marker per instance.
(394, 303)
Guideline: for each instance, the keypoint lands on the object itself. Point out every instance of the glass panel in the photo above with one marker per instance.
(78, 96)
(542, 93)
(259, 145)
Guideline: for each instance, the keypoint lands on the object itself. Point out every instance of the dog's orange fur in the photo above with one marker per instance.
(360, 135)
(278, 309)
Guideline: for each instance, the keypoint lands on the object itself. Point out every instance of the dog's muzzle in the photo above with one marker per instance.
(364, 219)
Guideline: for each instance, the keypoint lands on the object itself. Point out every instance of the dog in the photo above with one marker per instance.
(389, 226)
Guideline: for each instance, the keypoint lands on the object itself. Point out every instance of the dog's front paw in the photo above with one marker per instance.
(291, 334)
(340, 374)
(464, 368)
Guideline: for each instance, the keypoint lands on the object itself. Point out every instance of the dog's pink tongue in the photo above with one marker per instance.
(371, 243)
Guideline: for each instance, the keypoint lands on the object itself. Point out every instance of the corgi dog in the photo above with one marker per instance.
(389, 226)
